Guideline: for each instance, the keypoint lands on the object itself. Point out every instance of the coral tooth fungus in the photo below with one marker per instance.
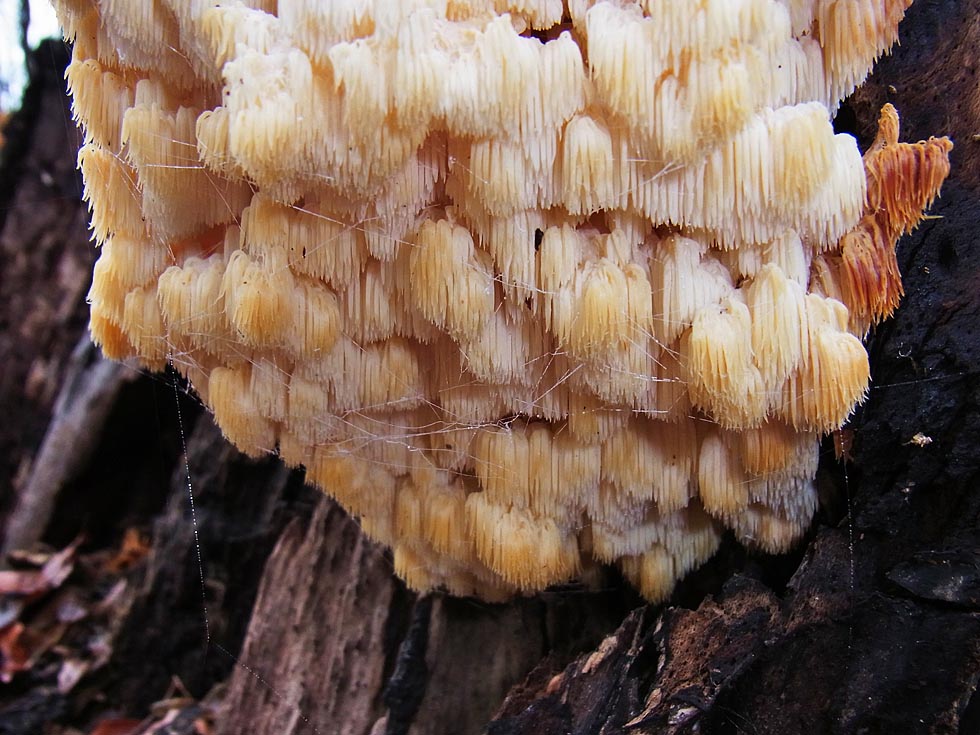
(526, 286)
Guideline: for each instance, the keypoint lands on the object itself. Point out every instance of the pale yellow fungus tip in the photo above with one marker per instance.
(526, 285)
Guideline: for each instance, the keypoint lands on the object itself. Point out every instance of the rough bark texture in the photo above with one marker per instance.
(873, 626)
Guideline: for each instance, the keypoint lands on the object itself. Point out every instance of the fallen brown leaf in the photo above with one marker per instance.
(69, 608)
(117, 726)
(112, 598)
(34, 582)
(168, 719)
(17, 648)
(135, 546)
(70, 673)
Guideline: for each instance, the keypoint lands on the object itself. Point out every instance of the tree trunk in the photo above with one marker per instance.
(261, 596)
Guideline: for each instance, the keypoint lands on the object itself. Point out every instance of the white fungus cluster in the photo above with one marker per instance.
(525, 284)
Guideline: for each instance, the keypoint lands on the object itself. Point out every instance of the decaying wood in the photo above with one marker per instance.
(873, 626)
(90, 386)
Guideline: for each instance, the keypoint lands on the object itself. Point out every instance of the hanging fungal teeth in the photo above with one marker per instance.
(526, 285)
(523, 548)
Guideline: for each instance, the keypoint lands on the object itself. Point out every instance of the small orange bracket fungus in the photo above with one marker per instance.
(527, 285)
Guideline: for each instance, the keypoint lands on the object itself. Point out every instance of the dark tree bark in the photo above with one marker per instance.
(298, 624)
